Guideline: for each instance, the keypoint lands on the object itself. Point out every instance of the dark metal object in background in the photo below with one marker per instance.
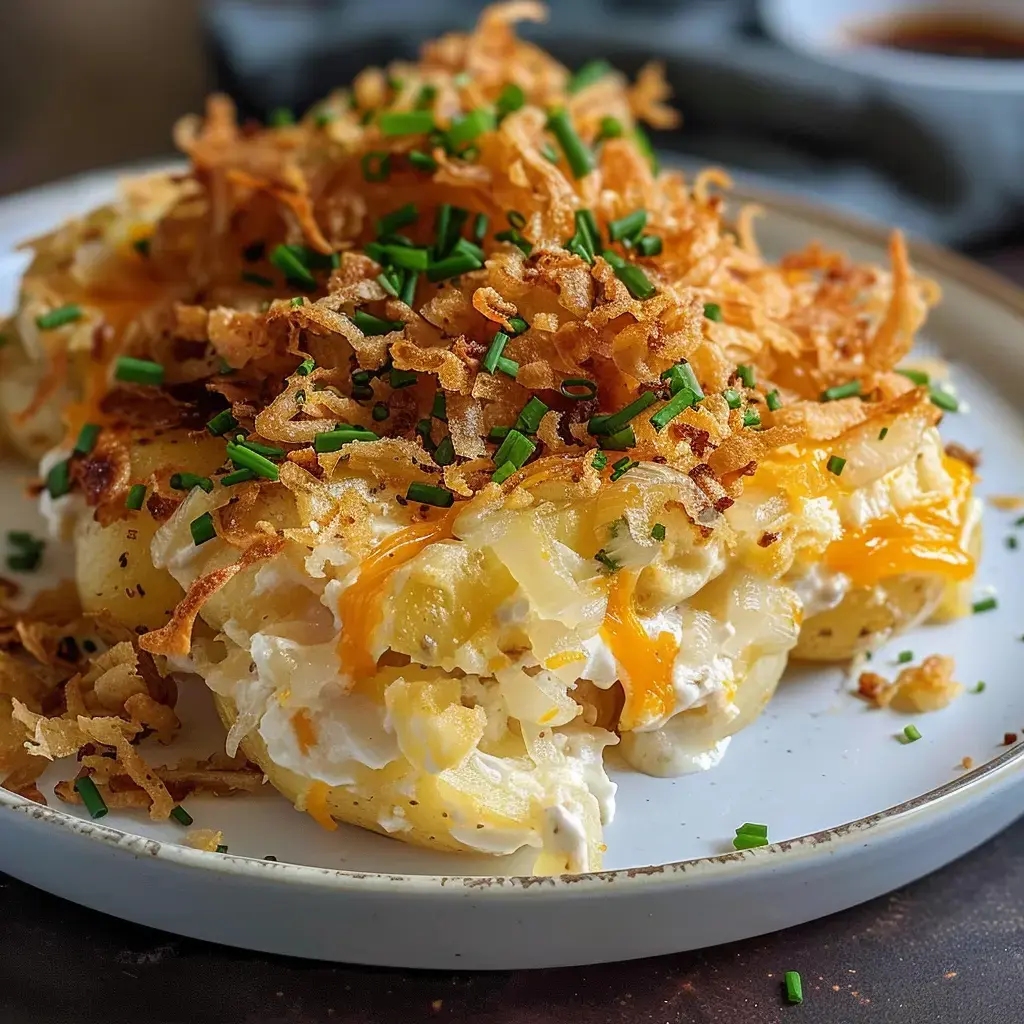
(946, 950)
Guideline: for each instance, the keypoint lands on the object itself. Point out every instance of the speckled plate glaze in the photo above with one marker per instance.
(852, 812)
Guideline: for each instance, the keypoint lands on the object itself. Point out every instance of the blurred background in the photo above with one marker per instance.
(908, 111)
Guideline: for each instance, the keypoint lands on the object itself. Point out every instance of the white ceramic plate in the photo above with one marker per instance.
(853, 813)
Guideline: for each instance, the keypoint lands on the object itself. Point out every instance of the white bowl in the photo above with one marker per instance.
(821, 29)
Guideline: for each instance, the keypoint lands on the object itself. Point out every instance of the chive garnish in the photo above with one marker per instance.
(848, 390)
(58, 480)
(408, 258)
(658, 531)
(480, 224)
(529, 419)
(406, 122)
(372, 325)
(222, 423)
(399, 218)
(59, 317)
(298, 300)
(87, 438)
(439, 410)
(681, 376)
(911, 732)
(904, 657)
(986, 604)
(186, 481)
(643, 143)
(746, 375)
(751, 417)
(306, 367)
(239, 476)
(285, 259)
(549, 152)
(334, 440)
(136, 496)
(579, 389)
(281, 117)
(503, 472)
(619, 441)
(246, 458)
(627, 228)
(377, 166)
(745, 841)
(649, 245)
(498, 433)
(919, 377)
(490, 360)
(380, 412)
(611, 128)
(750, 828)
(979, 687)
(202, 529)
(606, 561)
(28, 551)
(138, 371)
(518, 325)
(516, 448)
(882, 433)
(587, 75)
(943, 399)
(637, 283)
(579, 158)
(251, 277)
(516, 239)
(678, 403)
(422, 161)
(428, 494)
(614, 423)
(180, 815)
(221, 849)
(453, 266)
(835, 464)
(268, 451)
(773, 400)
(515, 219)
(465, 129)
(510, 98)
(599, 461)
(794, 987)
(508, 366)
(423, 430)
(1011, 542)
(622, 467)
(401, 378)
(142, 246)
(91, 797)
(733, 398)
(444, 454)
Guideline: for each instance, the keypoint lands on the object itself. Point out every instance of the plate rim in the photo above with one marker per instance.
(1005, 766)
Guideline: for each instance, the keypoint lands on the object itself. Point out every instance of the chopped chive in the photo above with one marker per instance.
(372, 325)
(604, 559)
(835, 464)
(750, 828)
(399, 218)
(516, 448)
(281, 117)
(794, 987)
(138, 371)
(428, 494)
(848, 390)
(733, 398)
(681, 376)
(362, 393)
(515, 219)
(713, 311)
(58, 480)
(611, 128)
(678, 403)
(480, 225)
(87, 438)
(774, 402)
(619, 441)
(503, 472)
(979, 687)
(751, 417)
(222, 423)
(439, 410)
(614, 423)
(202, 529)
(409, 259)
(251, 277)
(658, 531)
(579, 389)
(649, 245)
(529, 419)
(180, 815)
(406, 122)
(586, 226)
(408, 294)
(904, 656)
(465, 129)
(621, 468)
(746, 375)
(467, 248)
(239, 476)
(284, 258)
(268, 451)
(579, 158)
(744, 841)
(401, 378)
(882, 433)
(91, 797)
(136, 496)
(423, 429)
(912, 733)
(334, 440)
(221, 849)
(426, 96)
(578, 247)
(246, 458)
(510, 99)
(1011, 542)
(59, 317)
(637, 283)
(141, 246)
(498, 433)
(599, 461)
(377, 166)
(444, 454)
(422, 161)
(548, 151)
(490, 360)
(643, 143)
(516, 239)
(518, 325)
(187, 481)
(591, 72)
(380, 412)
(324, 118)
(508, 366)
(453, 266)
(919, 377)
(627, 228)
(298, 300)
(986, 604)
(943, 399)
(306, 367)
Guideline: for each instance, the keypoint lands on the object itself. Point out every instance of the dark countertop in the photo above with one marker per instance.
(949, 948)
